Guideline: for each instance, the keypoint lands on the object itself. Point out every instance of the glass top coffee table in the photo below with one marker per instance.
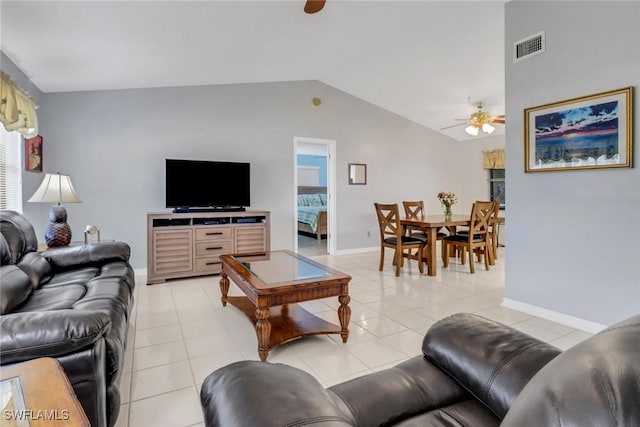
(273, 283)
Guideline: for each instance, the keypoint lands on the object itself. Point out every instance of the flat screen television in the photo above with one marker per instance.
(207, 184)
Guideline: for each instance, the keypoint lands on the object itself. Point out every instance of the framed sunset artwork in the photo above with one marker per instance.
(590, 132)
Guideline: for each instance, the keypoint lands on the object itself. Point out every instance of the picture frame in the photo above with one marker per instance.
(357, 174)
(33, 154)
(589, 132)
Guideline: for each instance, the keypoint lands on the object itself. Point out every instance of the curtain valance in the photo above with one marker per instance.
(493, 159)
(17, 109)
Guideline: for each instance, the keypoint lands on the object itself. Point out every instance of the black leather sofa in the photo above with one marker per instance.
(71, 303)
(473, 373)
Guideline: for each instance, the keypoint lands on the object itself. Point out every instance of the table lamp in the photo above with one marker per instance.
(57, 188)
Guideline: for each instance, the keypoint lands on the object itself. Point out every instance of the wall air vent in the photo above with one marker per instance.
(528, 47)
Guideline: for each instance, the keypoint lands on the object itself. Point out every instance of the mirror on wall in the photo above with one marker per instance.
(357, 174)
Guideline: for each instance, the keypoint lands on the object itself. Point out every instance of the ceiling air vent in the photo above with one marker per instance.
(528, 47)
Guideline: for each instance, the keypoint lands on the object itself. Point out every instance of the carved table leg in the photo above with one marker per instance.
(224, 287)
(263, 330)
(284, 312)
(344, 314)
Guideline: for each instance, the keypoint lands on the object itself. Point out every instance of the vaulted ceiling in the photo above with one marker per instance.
(428, 61)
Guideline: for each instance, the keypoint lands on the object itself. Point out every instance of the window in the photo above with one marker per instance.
(496, 186)
(10, 170)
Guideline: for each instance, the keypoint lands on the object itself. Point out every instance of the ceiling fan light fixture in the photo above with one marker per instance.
(478, 122)
(471, 130)
(487, 128)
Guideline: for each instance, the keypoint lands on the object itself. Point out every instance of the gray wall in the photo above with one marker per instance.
(113, 144)
(574, 237)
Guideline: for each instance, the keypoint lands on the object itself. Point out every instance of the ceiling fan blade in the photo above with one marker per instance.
(497, 120)
(313, 6)
(452, 126)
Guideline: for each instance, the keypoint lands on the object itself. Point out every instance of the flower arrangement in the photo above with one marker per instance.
(447, 199)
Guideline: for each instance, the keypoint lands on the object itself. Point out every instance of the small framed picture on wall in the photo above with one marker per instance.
(33, 154)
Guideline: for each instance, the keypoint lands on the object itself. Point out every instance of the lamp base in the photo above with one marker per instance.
(58, 232)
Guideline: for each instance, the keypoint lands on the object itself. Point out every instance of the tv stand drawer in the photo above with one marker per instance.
(209, 265)
(214, 248)
(213, 233)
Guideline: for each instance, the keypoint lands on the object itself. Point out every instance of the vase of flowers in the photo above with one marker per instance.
(447, 200)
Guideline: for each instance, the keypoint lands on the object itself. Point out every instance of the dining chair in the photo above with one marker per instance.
(477, 240)
(493, 235)
(493, 232)
(392, 236)
(416, 209)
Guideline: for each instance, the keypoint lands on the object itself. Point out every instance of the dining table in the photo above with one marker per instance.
(430, 224)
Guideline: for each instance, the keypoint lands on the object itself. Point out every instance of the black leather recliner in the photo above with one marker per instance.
(71, 303)
(473, 373)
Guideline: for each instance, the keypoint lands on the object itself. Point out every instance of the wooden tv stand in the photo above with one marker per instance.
(190, 244)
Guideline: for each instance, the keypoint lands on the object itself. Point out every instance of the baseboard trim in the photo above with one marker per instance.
(356, 251)
(554, 316)
(140, 271)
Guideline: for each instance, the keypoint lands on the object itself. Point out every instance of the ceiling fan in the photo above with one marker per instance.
(313, 6)
(479, 121)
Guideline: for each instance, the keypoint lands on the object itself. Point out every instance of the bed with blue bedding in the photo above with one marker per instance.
(312, 213)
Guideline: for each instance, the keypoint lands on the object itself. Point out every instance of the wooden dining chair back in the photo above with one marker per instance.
(416, 209)
(392, 236)
(477, 240)
(413, 208)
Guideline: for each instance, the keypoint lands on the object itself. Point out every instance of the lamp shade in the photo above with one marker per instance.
(55, 188)
(487, 128)
(471, 130)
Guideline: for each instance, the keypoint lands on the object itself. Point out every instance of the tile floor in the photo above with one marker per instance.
(180, 332)
(310, 246)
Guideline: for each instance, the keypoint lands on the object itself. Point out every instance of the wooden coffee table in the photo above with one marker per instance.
(273, 283)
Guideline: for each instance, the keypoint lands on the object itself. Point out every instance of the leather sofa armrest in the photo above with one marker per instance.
(252, 393)
(491, 360)
(92, 253)
(594, 383)
(29, 335)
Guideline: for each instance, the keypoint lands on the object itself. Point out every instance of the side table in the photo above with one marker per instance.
(49, 399)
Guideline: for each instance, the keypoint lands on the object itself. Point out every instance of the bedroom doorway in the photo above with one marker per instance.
(314, 201)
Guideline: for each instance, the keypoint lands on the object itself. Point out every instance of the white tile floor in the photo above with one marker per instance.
(310, 246)
(180, 332)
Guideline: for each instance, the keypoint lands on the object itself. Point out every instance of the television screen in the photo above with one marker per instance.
(197, 183)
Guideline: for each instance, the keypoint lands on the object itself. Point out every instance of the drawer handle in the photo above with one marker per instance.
(217, 233)
(215, 247)
(214, 263)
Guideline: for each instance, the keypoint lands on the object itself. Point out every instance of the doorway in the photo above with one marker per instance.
(314, 196)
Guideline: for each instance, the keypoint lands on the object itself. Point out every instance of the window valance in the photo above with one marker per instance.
(493, 159)
(17, 109)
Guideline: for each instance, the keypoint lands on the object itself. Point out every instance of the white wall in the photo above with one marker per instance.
(574, 237)
(113, 144)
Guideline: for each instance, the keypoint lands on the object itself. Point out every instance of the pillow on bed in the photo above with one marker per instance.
(323, 199)
(309, 200)
(314, 200)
